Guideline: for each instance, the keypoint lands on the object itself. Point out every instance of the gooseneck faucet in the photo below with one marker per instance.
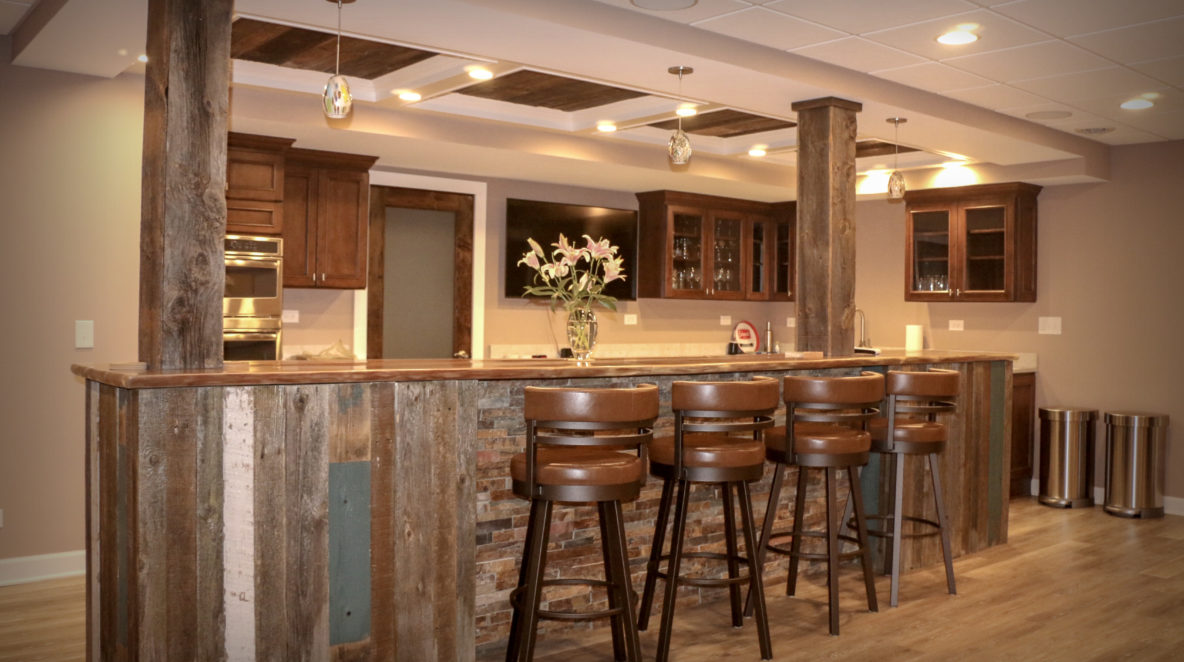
(864, 341)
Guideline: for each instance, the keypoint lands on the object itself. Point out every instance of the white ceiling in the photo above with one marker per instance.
(1082, 57)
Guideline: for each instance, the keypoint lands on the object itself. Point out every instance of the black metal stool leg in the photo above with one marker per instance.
(897, 526)
(941, 520)
(536, 560)
(732, 553)
(516, 621)
(672, 570)
(756, 584)
(832, 551)
(607, 547)
(767, 526)
(621, 583)
(653, 565)
(799, 513)
(865, 553)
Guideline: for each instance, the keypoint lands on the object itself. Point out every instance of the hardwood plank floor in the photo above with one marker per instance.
(1073, 585)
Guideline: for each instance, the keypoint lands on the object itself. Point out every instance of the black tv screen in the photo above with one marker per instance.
(544, 221)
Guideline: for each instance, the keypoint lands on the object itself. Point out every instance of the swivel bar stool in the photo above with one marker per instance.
(582, 445)
(824, 422)
(717, 439)
(911, 428)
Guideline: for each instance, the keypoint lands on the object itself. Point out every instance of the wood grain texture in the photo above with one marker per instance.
(94, 514)
(826, 225)
(187, 89)
(413, 507)
(270, 525)
(383, 606)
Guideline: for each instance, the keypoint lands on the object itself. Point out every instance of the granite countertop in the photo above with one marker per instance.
(237, 373)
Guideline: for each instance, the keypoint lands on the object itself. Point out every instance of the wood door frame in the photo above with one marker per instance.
(461, 205)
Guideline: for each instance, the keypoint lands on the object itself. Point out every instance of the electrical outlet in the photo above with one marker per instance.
(1049, 326)
(630, 319)
(291, 316)
(957, 325)
(725, 320)
(791, 322)
(84, 334)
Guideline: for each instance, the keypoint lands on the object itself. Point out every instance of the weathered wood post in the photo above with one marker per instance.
(826, 225)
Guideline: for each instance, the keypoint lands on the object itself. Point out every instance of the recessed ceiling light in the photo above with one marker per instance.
(686, 110)
(410, 95)
(664, 5)
(142, 58)
(1049, 115)
(606, 127)
(1095, 130)
(960, 35)
(479, 73)
(758, 151)
(1138, 103)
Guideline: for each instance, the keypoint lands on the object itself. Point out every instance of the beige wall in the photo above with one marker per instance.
(1110, 266)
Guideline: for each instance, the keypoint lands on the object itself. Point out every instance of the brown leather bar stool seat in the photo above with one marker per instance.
(910, 428)
(824, 423)
(717, 439)
(582, 445)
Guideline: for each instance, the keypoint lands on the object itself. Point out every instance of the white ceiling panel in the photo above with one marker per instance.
(1150, 41)
(770, 28)
(1102, 84)
(701, 10)
(11, 13)
(859, 16)
(994, 32)
(996, 97)
(1049, 58)
(933, 77)
(859, 54)
(1169, 70)
(1053, 17)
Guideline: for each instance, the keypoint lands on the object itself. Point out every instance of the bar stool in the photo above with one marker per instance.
(582, 445)
(717, 439)
(911, 428)
(824, 423)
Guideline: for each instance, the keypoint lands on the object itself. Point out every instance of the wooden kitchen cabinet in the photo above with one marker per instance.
(1023, 430)
(708, 247)
(971, 243)
(255, 183)
(326, 218)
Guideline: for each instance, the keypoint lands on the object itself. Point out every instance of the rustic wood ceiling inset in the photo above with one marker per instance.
(299, 48)
(532, 88)
(879, 148)
(726, 123)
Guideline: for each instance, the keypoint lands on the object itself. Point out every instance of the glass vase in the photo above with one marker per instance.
(581, 332)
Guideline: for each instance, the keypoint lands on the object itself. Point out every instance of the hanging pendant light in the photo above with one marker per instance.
(679, 148)
(336, 98)
(896, 186)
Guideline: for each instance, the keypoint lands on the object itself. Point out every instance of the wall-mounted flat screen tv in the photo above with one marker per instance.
(544, 221)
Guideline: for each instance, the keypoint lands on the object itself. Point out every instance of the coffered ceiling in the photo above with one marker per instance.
(1037, 97)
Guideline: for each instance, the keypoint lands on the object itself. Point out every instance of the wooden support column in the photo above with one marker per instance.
(826, 225)
(183, 204)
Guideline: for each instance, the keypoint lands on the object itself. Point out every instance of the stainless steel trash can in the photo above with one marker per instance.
(1067, 456)
(1135, 447)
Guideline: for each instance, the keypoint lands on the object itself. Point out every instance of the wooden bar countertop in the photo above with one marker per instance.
(240, 373)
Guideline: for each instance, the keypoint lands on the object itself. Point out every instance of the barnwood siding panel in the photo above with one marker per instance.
(464, 435)
(106, 583)
(125, 479)
(94, 515)
(270, 525)
(238, 507)
(382, 533)
(349, 423)
(210, 610)
(307, 528)
(413, 522)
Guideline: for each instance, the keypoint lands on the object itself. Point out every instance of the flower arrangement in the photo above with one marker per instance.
(575, 276)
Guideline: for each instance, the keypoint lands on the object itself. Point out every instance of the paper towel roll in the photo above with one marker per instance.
(914, 338)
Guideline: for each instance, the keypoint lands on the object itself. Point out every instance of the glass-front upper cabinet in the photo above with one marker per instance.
(971, 243)
(727, 274)
(686, 250)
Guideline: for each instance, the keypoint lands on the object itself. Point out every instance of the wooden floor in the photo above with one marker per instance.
(1072, 585)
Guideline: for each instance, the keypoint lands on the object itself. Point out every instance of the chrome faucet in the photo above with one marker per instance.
(864, 341)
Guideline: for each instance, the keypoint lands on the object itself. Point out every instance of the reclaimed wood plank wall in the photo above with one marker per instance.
(302, 522)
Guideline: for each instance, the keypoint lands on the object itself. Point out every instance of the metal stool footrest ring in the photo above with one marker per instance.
(887, 533)
(705, 581)
(516, 599)
(814, 556)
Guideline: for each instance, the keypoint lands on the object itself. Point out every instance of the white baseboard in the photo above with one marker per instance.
(24, 569)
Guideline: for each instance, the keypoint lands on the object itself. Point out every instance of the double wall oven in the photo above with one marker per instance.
(252, 306)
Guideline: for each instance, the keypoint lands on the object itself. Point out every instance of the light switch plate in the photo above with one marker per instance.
(630, 319)
(957, 325)
(791, 322)
(1049, 326)
(84, 334)
(291, 316)
(725, 320)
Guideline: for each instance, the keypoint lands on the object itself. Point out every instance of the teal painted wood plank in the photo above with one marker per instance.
(995, 494)
(349, 552)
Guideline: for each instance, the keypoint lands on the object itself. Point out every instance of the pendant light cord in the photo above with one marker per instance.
(337, 66)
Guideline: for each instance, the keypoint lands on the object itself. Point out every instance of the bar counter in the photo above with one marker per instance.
(327, 510)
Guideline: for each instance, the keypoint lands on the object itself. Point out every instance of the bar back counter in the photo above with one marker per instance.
(339, 511)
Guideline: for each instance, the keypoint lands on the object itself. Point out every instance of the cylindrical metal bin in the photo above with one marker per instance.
(1067, 456)
(1135, 446)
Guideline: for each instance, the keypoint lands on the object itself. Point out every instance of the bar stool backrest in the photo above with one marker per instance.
(611, 418)
(725, 407)
(849, 401)
(925, 393)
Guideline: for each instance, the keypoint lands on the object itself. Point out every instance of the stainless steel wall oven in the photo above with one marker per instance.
(253, 301)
